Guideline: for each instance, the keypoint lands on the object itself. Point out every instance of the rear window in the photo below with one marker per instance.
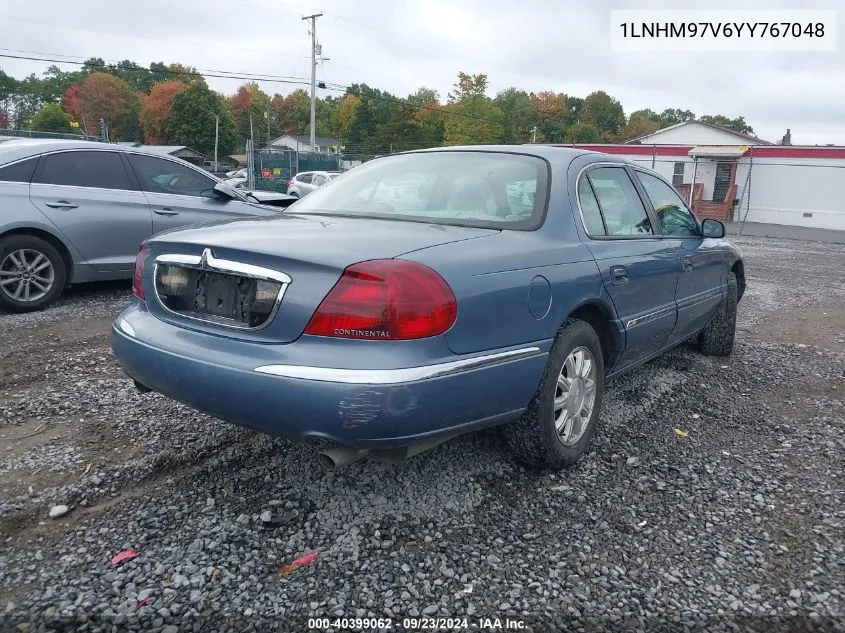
(484, 189)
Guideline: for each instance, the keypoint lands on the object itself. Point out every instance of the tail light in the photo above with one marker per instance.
(386, 300)
(138, 272)
(290, 183)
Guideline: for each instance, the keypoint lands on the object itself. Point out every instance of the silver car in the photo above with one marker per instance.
(77, 211)
(305, 182)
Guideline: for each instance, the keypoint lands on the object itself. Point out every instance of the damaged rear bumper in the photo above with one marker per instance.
(267, 386)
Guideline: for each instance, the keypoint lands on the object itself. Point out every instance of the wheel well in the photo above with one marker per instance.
(52, 240)
(739, 270)
(599, 318)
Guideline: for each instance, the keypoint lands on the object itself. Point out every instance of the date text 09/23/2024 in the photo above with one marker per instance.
(418, 624)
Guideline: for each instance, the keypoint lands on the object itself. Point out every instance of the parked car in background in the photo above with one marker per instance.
(305, 182)
(77, 211)
(503, 289)
(272, 198)
(237, 173)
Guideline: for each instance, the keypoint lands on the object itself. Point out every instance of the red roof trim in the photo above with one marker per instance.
(760, 151)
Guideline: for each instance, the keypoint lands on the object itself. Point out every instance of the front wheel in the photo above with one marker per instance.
(32, 273)
(557, 427)
(717, 339)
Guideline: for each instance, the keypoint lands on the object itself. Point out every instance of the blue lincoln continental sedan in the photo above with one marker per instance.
(427, 294)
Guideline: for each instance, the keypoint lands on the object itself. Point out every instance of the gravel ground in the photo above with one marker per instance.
(712, 499)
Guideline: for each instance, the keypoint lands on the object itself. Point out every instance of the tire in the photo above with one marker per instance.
(534, 438)
(45, 271)
(717, 338)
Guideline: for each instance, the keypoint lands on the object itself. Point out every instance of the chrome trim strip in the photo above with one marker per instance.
(127, 329)
(207, 261)
(646, 318)
(701, 298)
(395, 376)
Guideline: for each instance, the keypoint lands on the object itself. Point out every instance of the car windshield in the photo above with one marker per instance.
(469, 188)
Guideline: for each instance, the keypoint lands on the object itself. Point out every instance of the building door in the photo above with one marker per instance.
(722, 182)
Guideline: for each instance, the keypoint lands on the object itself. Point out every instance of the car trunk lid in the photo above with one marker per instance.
(262, 279)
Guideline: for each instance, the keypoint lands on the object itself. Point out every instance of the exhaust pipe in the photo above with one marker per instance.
(335, 458)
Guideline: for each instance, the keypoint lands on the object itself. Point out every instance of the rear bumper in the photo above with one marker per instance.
(266, 387)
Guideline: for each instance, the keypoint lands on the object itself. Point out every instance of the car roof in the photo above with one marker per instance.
(17, 149)
(556, 155)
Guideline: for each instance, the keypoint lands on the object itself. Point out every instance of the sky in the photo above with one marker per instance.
(401, 45)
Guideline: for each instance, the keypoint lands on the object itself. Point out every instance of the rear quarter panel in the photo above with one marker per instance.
(518, 287)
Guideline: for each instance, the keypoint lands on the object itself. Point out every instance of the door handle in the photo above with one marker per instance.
(165, 211)
(618, 275)
(61, 204)
(686, 264)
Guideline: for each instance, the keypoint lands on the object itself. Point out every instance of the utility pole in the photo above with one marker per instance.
(313, 19)
(251, 135)
(216, 137)
(534, 134)
(268, 127)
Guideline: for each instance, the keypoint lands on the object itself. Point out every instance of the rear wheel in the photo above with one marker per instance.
(717, 339)
(32, 273)
(559, 423)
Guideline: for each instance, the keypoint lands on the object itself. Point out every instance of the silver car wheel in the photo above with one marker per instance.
(575, 395)
(26, 275)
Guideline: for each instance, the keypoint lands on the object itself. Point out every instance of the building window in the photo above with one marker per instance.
(678, 174)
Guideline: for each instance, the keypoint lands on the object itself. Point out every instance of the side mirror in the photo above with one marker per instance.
(225, 192)
(712, 228)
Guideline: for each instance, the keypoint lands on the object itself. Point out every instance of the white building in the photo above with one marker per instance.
(741, 177)
(302, 143)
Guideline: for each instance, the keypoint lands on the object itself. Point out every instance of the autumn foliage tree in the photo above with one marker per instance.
(156, 108)
(104, 96)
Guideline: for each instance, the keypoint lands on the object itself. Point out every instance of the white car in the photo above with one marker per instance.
(237, 173)
(305, 182)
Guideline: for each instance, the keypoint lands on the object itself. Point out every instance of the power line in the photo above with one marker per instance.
(215, 74)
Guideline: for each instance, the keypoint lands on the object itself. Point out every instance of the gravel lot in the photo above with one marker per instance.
(713, 497)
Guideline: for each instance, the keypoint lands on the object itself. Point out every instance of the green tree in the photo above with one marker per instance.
(603, 112)
(673, 116)
(582, 133)
(640, 123)
(518, 115)
(8, 89)
(192, 120)
(738, 124)
(51, 118)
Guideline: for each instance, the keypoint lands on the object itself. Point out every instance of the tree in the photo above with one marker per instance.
(250, 101)
(192, 120)
(104, 96)
(51, 118)
(582, 133)
(291, 113)
(345, 115)
(518, 113)
(673, 116)
(156, 109)
(738, 124)
(640, 123)
(8, 88)
(552, 115)
(603, 112)
(468, 87)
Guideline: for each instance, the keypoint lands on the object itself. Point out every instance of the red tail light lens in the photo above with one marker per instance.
(386, 300)
(138, 272)
(290, 182)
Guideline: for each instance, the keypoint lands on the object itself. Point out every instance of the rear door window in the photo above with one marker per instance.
(623, 210)
(84, 168)
(159, 175)
(20, 171)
